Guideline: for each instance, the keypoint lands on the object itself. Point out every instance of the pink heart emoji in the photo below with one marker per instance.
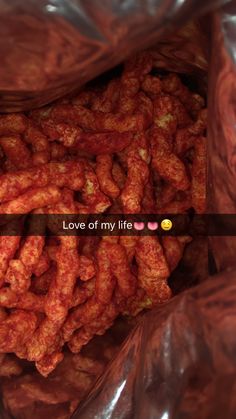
(152, 226)
(138, 226)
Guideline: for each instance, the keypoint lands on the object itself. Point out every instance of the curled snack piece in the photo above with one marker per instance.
(129, 243)
(106, 101)
(42, 265)
(151, 85)
(173, 85)
(120, 268)
(35, 137)
(8, 247)
(57, 302)
(83, 292)
(185, 137)
(27, 301)
(86, 269)
(20, 270)
(153, 270)
(16, 151)
(48, 363)
(66, 174)
(105, 281)
(137, 177)
(81, 315)
(96, 327)
(167, 164)
(91, 193)
(35, 198)
(99, 121)
(104, 175)
(14, 123)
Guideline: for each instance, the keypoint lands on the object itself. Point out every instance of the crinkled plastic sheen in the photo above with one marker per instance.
(50, 47)
(180, 360)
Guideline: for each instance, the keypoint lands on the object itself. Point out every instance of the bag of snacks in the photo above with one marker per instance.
(92, 177)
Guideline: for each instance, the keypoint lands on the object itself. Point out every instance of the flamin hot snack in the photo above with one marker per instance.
(135, 145)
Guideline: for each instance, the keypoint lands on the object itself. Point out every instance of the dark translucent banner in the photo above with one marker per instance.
(118, 224)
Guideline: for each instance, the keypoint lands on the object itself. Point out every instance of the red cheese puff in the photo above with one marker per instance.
(167, 164)
(34, 198)
(138, 174)
(118, 174)
(16, 329)
(57, 300)
(148, 201)
(82, 315)
(145, 107)
(20, 270)
(57, 151)
(62, 132)
(35, 137)
(183, 141)
(89, 245)
(151, 85)
(198, 187)
(96, 327)
(86, 268)
(16, 151)
(42, 264)
(173, 85)
(129, 243)
(134, 71)
(120, 268)
(43, 338)
(13, 123)
(8, 248)
(60, 292)
(153, 270)
(99, 121)
(103, 142)
(200, 125)
(27, 301)
(69, 174)
(91, 193)
(163, 116)
(106, 101)
(104, 175)
(48, 363)
(83, 292)
(185, 137)
(105, 281)
(127, 104)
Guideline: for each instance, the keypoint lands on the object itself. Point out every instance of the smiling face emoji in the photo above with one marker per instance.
(166, 224)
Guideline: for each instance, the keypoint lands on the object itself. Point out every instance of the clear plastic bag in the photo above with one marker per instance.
(179, 361)
(49, 48)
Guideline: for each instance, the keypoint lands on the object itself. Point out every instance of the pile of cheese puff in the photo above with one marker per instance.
(133, 145)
